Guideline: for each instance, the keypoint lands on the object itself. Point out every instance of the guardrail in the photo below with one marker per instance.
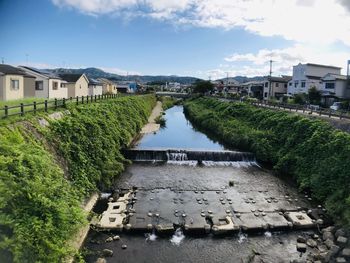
(34, 107)
(341, 114)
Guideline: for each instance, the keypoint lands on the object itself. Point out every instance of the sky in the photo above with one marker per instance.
(201, 38)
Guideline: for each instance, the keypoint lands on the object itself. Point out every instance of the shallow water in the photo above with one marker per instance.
(163, 187)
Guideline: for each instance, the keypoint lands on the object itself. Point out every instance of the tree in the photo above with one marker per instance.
(203, 86)
(314, 96)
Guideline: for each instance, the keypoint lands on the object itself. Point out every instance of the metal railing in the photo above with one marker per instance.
(34, 107)
(309, 109)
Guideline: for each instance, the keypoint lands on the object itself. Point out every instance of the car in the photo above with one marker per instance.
(336, 106)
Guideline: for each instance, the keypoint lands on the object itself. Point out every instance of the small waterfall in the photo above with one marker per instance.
(177, 156)
(242, 237)
(192, 157)
(178, 237)
(151, 236)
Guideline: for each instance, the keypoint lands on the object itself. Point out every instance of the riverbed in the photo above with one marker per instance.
(190, 186)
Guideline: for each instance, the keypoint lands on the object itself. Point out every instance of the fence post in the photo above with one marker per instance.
(55, 104)
(340, 115)
(319, 112)
(34, 106)
(87, 99)
(77, 99)
(64, 102)
(95, 97)
(330, 113)
(6, 111)
(45, 105)
(22, 109)
(82, 99)
(91, 98)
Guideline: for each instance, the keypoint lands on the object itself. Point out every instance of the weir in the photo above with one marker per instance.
(163, 155)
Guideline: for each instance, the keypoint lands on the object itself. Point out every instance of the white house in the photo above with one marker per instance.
(334, 87)
(47, 84)
(309, 75)
(95, 87)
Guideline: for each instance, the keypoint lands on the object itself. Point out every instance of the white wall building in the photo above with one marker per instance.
(47, 84)
(309, 75)
(95, 87)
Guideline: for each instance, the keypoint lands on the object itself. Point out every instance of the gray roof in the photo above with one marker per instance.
(70, 77)
(7, 69)
(43, 72)
(94, 81)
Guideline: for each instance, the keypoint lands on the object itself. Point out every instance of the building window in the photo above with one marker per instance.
(265, 95)
(54, 85)
(39, 85)
(277, 85)
(285, 85)
(80, 86)
(266, 84)
(14, 84)
(63, 85)
(330, 85)
(296, 84)
(290, 83)
(303, 84)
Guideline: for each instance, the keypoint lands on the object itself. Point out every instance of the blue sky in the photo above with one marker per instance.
(183, 37)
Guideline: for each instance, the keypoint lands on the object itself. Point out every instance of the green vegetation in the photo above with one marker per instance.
(167, 102)
(40, 207)
(202, 86)
(316, 155)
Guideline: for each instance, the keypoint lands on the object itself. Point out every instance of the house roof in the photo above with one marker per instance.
(336, 76)
(106, 81)
(70, 77)
(10, 70)
(323, 66)
(42, 72)
(280, 79)
(94, 81)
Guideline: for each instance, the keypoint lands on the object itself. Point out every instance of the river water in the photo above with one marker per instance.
(173, 184)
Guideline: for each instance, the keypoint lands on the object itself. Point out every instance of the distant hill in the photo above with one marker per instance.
(98, 73)
(243, 79)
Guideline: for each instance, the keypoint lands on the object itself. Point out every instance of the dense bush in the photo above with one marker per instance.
(40, 208)
(316, 155)
(91, 138)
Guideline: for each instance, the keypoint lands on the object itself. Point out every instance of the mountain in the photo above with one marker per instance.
(98, 73)
(243, 79)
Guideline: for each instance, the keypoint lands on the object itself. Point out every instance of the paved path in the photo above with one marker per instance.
(152, 126)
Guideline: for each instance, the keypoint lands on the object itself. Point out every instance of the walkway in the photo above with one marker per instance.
(152, 126)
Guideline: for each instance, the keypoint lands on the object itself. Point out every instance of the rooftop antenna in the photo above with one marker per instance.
(348, 73)
(271, 61)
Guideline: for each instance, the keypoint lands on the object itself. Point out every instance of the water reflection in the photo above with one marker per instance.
(178, 133)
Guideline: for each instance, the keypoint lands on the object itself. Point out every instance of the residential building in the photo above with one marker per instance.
(309, 75)
(253, 89)
(76, 84)
(47, 84)
(108, 86)
(334, 87)
(95, 87)
(15, 83)
(275, 87)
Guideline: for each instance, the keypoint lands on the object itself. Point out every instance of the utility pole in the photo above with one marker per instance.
(2, 60)
(348, 73)
(270, 88)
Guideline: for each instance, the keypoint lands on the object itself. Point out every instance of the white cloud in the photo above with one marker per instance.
(303, 21)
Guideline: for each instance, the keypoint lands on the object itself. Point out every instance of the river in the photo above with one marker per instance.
(165, 187)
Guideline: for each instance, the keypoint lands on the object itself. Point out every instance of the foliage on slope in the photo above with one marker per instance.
(316, 155)
(40, 208)
(91, 138)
